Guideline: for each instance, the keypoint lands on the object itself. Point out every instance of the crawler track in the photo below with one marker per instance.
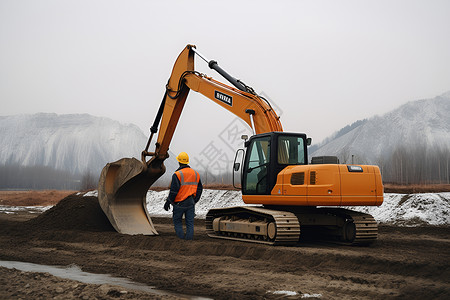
(337, 225)
(287, 227)
(364, 229)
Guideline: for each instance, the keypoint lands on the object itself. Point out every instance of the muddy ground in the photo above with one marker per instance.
(405, 263)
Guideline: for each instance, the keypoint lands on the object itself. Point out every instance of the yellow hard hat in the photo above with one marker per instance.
(183, 158)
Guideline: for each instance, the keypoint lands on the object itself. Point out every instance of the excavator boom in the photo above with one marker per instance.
(123, 184)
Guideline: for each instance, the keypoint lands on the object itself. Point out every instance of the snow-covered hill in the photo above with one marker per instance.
(397, 209)
(416, 123)
(76, 142)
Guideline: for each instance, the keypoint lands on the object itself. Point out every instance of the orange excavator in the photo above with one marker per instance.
(290, 195)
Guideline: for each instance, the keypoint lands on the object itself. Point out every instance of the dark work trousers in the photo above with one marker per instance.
(186, 208)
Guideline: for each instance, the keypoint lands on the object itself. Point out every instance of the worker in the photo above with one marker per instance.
(185, 191)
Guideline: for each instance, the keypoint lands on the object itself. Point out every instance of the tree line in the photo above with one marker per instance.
(44, 177)
(421, 164)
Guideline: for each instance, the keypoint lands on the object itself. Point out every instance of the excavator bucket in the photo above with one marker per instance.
(122, 190)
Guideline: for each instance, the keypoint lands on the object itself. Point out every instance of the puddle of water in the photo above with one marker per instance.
(73, 272)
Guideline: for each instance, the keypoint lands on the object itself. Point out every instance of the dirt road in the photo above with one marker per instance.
(405, 263)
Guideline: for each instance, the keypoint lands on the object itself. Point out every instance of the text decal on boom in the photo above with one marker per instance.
(224, 98)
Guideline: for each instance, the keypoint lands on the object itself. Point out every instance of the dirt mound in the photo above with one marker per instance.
(74, 212)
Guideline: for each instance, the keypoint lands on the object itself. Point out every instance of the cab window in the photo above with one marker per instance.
(291, 150)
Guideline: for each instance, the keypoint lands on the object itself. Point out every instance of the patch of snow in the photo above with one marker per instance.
(91, 194)
(411, 209)
(311, 296)
(6, 209)
(210, 199)
(397, 209)
(287, 293)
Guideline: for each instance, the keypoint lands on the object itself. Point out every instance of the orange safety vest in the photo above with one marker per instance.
(189, 180)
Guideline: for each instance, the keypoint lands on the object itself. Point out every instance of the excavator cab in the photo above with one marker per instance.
(267, 155)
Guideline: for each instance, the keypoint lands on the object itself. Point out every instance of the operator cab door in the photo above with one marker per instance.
(256, 166)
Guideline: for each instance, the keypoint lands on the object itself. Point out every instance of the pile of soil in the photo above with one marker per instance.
(74, 212)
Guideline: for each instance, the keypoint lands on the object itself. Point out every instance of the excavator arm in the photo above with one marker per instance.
(245, 104)
(123, 184)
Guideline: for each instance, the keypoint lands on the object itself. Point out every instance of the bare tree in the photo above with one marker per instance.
(344, 155)
(36, 177)
(88, 181)
(420, 164)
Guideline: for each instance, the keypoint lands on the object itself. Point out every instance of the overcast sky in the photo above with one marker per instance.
(325, 64)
